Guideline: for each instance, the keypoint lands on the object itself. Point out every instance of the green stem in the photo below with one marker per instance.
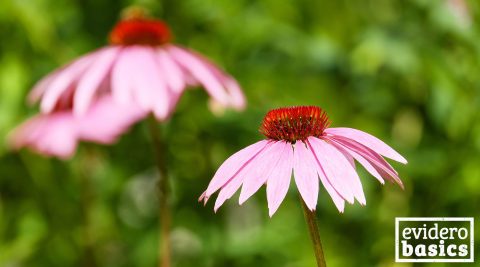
(164, 252)
(314, 234)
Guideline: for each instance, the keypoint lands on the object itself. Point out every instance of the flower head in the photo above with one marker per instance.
(141, 66)
(140, 72)
(299, 140)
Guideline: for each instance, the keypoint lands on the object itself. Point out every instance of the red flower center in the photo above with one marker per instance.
(140, 31)
(294, 123)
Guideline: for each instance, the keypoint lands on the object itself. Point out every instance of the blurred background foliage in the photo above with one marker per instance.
(405, 71)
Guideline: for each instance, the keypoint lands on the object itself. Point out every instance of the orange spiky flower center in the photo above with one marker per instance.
(294, 123)
(140, 31)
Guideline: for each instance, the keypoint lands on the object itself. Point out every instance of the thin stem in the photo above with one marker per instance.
(314, 234)
(86, 199)
(164, 252)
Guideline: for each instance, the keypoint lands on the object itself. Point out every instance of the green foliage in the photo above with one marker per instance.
(405, 71)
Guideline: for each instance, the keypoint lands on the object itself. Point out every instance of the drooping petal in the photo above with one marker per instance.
(237, 180)
(278, 181)
(345, 154)
(360, 159)
(233, 165)
(149, 82)
(337, 199)
(332, 168)
(380, 165)
(172, 72)
(260, 169)
(229, 189)
(369, 141)
(61, 80)
(103, 124)
(351, 175)
(49, 134)
(93, 77)
(40, 87)
(236, 97)
(200, 72)
(305, 174)
(122, 82)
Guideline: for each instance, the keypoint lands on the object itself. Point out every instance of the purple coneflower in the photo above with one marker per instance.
(299, 140)
(140, 65)
(140, 70)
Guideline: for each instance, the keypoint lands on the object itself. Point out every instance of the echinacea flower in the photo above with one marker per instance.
(140, 65)
(299, 140)
(139, 73)
(58, 133)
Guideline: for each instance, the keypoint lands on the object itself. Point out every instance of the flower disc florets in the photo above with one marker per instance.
(140, 31)
(294, 123)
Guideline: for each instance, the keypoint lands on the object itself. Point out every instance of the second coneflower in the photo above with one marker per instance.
(140, 65)
(141, 70)
(300, 142)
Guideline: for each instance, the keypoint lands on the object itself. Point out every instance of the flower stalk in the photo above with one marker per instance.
(164, 209)
(314, 234)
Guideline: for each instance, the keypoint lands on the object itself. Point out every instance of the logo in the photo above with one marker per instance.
(433, 239)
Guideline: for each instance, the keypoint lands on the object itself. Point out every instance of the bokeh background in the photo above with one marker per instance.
(405, 71)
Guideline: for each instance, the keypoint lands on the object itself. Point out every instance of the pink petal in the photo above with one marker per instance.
(332, 167)
(52, 135)
(260, 169)
(229, 189)
(369, 141)
(61, 80)
(60, 138)
(172, 72)
(149, 82)
(278, 181)
(380, 165)
(337, 199)
(234, 184)
(122, 82)
(41, 86)
(236, 96)
(91, 80)
(200, 72)
(342, 157)
(103, 124)
(304, 172)
(233, 165)
(360, 159)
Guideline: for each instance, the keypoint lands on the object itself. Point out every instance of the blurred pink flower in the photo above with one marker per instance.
(57, 133)
(98, 96)
(298, 139)
(139, 66)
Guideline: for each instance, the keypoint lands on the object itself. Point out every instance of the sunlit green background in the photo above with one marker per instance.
(406, 71)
